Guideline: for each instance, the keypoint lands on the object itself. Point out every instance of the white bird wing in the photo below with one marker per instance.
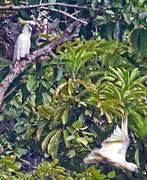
(116, 145)
(22, 46)
(114, 148)
(17, 49)
(24, 41)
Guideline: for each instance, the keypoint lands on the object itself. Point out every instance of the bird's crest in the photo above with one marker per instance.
(26, 21)
(23, 21)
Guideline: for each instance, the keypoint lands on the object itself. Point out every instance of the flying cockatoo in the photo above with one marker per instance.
(114, 149)
(23, 42)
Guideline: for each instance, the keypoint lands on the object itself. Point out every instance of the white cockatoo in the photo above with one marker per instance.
(113, 150)
(23, 42)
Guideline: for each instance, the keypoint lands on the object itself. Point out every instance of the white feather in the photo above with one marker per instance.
(114, 149)
(23, 42)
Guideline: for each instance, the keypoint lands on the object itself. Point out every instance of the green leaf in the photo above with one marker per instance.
(22, 151)
(70, 129)
(11, 166)
(138, 39)
(30, 131)
(45, 112)
(60, 88)
(77, 125)
(65, 116)
(71, 153)
(94, 3)
(66, 135)
(32, 83)
(54, 163)
(48, 36)
(58, 74)
(5, 61)
(4, 72)
(133, 75)
(109, 116)
(111, 174)
(69, 138)
(47, 139)
(137, 157)
(89, 139)
(18, 164)
(40, 130)
(70, 88)
(83, 141)
(45, 83)
(53, 140)
(46, 98)
(128, 18)
(107, 31)
(10, 159)
(25, 92)
(1, 117)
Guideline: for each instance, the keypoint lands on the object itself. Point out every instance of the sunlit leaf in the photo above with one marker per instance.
(54, 163)
(52, 141)
(111, 174)
(48, 36)
(71, 153)
(137, 157)
(66, 135)
(47, 139)
(77, 124)
(40, 130)
(65, 116)
(82, 140)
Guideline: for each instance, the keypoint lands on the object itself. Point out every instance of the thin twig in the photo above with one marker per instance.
(66, 14)
(13, 89)
(40, 2)
(15, 8)
(75, 13)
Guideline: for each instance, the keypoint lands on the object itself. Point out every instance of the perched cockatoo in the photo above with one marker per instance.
(114, 149)
(23, 43)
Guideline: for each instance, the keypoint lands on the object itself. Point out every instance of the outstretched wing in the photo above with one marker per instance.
(113, 148)
(116, 145)
(118, 142)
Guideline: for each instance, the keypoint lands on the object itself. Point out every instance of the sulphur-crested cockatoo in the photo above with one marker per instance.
(23, 42)
(113, 150)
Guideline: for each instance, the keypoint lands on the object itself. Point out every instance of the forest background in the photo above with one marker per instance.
(87, 68)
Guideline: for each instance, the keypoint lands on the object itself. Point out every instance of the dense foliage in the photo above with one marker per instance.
(59, 109)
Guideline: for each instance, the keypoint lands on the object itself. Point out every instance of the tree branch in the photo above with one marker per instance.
(71, 32)
(66, 14)
(15, 8)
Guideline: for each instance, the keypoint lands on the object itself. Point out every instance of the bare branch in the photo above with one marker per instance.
(71, 32)
(15, 8)
(66, 14)
(13, 89)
